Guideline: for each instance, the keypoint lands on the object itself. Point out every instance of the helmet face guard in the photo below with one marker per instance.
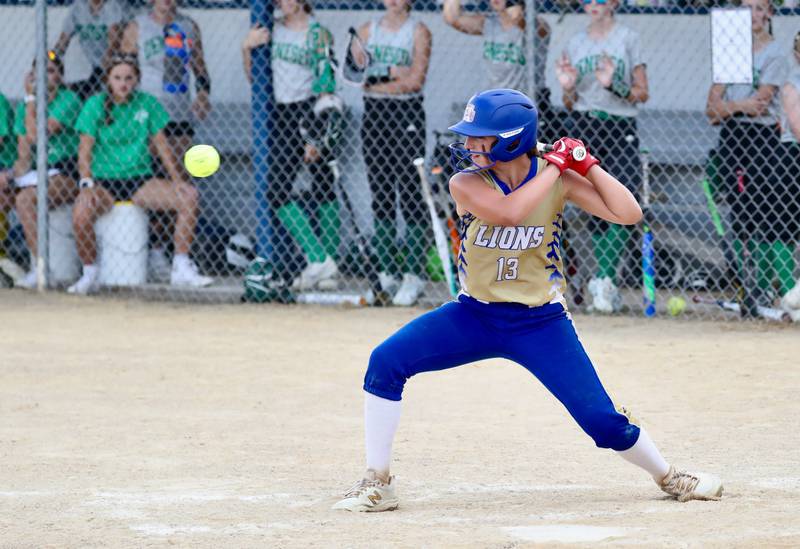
(462, 160)
(508, 115)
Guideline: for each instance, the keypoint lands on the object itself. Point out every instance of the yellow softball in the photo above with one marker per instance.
(201, 160)
(676, 305)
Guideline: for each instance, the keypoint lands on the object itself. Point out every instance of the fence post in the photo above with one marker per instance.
(43, 246)
(261, 107)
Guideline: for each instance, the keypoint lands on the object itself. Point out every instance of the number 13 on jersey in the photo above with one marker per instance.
(507, 268)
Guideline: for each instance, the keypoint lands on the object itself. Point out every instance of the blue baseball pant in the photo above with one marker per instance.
(542, 339)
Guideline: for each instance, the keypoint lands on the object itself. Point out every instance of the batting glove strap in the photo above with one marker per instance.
(560, 156)
(583, 166)
(582, 160)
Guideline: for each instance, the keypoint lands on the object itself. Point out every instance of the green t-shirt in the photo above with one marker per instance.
(64, 144)
(8, 148)
(121, 149)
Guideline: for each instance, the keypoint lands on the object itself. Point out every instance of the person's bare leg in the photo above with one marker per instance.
(162, 195)
(89, 206)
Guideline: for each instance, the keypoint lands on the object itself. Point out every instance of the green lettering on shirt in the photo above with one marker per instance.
(587, 65)
(153, 46)
(500, 52)
(291, 53)
(92, 31)
(391, 55)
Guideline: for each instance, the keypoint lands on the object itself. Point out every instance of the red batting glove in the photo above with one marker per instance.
(582, 164)
(560, 156)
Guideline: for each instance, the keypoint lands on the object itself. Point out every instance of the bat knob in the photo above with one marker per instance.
(579, 153)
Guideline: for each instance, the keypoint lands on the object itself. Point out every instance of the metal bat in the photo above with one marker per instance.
(767, 313)
(648, 248)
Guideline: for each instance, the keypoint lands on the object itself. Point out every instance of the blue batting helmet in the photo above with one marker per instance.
(508, 115)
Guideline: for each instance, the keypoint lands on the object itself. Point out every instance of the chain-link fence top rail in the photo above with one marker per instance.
(723, 200)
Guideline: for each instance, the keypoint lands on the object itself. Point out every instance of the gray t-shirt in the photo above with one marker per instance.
(504, 55)
(291, 64)
(165, 63)
(391, 49)
(92, 29)
(622, 46)
(787, 136)
(769, 68)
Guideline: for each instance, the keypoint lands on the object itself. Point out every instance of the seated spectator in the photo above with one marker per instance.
(117, 128)
(788, 200)
(168, 46)
(8, 153)
(98, 25)
(306, 123)
(63, 106)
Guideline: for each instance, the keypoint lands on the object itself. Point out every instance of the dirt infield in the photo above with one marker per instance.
(127, 424)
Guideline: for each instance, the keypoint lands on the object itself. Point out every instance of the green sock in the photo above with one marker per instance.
(416, 242)
(329, 225)
(384, 244)
(783, 264)
(600, 246)
(764, 261)
(608, 248)
(296, 222)
(738, 250)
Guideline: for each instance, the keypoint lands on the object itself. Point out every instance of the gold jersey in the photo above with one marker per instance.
(520, 264)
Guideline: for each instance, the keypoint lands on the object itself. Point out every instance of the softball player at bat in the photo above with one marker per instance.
(603, 79)
(512, 302)
(394, 120)
(303, 87)
(748, 141)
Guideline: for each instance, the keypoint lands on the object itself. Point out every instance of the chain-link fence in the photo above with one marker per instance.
(322, 112)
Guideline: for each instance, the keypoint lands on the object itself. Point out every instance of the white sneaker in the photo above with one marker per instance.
(687, 486)
(87, 284)
(370, 494)
(409, 291)
(185, 273)
(27, 282)
(605, 295)
(158, 265)
(14, 271)
(315, 273)
(791, 300)
(389, 282)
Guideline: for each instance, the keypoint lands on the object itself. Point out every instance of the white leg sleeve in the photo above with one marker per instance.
(381, 417)
(645, 454)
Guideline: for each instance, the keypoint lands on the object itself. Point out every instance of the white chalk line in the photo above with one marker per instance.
(567, 533)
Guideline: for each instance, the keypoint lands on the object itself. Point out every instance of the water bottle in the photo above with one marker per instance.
(177, 49)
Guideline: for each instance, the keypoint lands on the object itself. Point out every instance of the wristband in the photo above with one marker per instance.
(620, 89)
(86, 183)
(202, 83)
(372, 80)
(378, 75)
(29, 98)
